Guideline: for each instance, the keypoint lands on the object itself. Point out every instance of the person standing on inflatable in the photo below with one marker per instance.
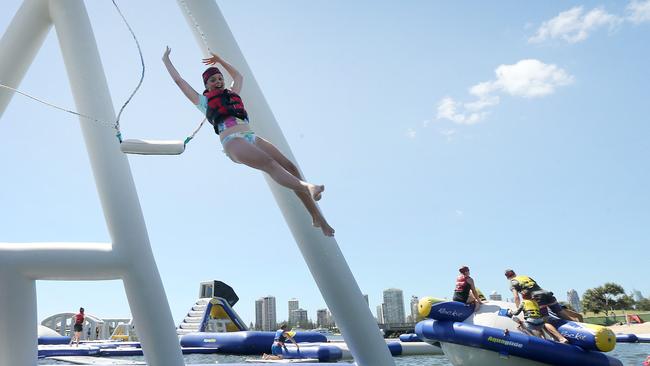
(465, 290)
(78, 326)
(281, 336)
(534, 320)
(528, 287)
(224, 109)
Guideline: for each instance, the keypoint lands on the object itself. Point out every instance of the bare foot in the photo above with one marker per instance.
(324, 227)
(315, 191)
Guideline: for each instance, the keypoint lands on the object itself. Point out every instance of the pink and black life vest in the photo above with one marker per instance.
(223, 103)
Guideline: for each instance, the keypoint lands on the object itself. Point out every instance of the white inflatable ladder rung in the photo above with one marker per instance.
(194, 326)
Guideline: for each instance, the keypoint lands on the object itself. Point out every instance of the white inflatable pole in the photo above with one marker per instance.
(322, 254)
(129, 257)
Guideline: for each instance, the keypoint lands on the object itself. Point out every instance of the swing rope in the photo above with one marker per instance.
(119, 114)
(116, 124)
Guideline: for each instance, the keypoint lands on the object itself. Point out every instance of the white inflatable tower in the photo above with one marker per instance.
(21, 264)
(322, 254)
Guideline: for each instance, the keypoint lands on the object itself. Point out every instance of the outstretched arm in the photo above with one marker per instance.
(293, 341)
(237, 78)
(515, 295)
(189, 92)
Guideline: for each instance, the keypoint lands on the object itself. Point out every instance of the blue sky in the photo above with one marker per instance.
(493, 135)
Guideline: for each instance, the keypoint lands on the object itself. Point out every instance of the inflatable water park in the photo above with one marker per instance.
(212, 325)
(485, 337)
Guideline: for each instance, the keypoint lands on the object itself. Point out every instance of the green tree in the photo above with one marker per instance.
(610, 296)
(643, 304)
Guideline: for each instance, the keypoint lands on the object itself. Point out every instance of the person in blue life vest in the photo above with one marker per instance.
(528, 287)
(465, 290)
(281, 336)
(535, 320)
(224, 109)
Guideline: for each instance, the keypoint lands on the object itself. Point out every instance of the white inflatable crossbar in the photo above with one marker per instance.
(152, 147)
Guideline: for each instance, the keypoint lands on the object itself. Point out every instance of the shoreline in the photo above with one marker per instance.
(643, 328)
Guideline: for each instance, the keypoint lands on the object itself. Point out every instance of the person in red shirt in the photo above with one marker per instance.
(78, 326)
(465, 290)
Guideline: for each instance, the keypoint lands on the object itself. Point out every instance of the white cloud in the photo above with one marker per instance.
(638, 11)
(410, 133)
(528, 78)
(448, 109)
(574, 25)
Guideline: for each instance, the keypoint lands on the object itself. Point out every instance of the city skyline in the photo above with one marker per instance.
(394, 296)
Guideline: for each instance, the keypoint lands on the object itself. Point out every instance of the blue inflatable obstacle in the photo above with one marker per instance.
(432, 308)
(409, 337)
(66, 350)
(321, 352)
(244, 343)
(587, 336)
(54, 340)
(511, 344)
(627, 338)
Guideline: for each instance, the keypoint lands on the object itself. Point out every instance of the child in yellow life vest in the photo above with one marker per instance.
(534, 322)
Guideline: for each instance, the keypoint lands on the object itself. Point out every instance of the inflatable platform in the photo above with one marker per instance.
(487, 338)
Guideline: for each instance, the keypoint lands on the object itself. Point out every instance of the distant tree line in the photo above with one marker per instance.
(609, 297)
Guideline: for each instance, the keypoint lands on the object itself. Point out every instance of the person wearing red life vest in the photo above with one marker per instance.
(78, 326)
(465, 290)
(224, 109)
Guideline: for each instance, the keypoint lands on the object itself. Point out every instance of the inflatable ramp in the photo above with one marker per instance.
(213, 312)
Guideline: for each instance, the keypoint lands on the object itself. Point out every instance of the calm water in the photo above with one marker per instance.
(629, 354)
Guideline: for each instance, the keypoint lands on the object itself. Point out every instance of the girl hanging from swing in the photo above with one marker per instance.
(224, 109)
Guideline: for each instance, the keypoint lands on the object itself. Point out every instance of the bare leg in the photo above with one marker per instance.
(571, 315)
(243, 152)
(318, 220)
(538, 333)
(554, 333)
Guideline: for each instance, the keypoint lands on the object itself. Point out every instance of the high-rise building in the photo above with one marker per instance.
(637, 295)
(574, 300)
(258, 313)
(323, 318)
(293, 305)
(414, 308)
(393, 306)
(269, 315)
(300, 317)
(495, 296)
(380, 314)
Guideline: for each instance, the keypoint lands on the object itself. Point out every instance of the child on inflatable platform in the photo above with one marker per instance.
(535, 320)
(224, 109)
(281, 336)
(526, 286)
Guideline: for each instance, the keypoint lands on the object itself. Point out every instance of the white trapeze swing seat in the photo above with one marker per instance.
(152, 147)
